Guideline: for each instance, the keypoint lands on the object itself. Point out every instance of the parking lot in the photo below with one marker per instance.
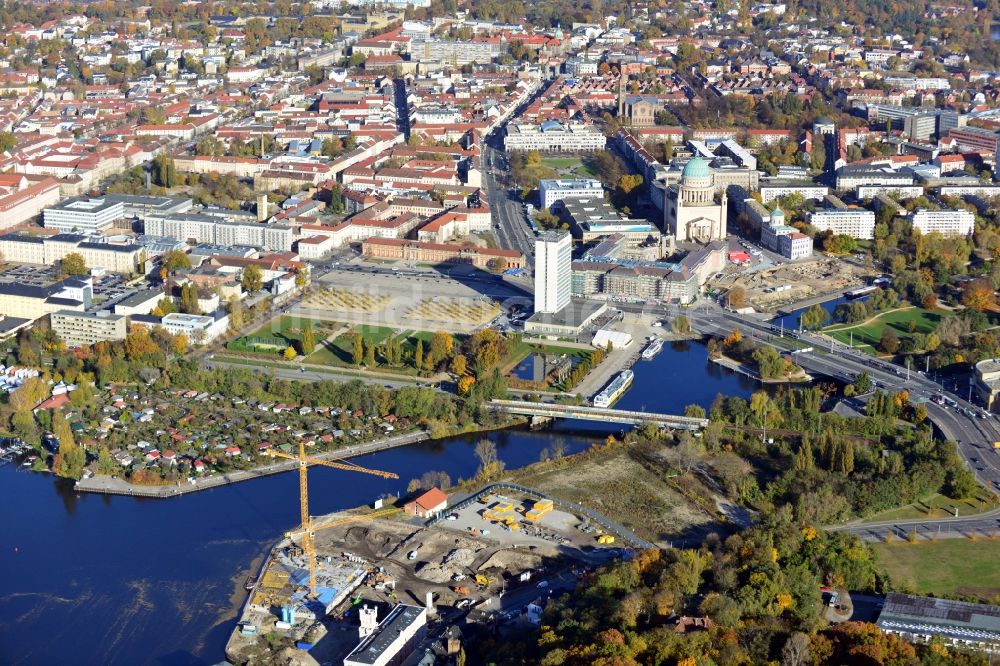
(109, 288)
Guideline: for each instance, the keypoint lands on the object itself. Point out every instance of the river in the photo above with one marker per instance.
(92, 579)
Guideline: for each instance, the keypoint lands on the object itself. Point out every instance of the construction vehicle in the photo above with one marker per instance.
(307, 530)
(460, 590)
(605, 539)
(482, 581)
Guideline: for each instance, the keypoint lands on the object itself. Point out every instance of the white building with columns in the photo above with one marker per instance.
(691, 211)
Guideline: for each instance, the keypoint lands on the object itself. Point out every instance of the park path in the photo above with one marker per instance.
(848, 327)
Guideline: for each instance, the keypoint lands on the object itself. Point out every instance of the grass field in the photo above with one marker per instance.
(580, 167)
(341, 350)
(938, 506)
(899, 320)
(287, 330)
(949, 566)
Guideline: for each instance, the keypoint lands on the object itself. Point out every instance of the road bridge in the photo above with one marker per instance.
(603, 414)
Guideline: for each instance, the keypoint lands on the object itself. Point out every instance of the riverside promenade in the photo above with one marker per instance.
(110, 486)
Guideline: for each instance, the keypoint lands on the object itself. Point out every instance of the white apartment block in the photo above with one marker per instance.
(455, 53)
(216, 231)
(79, 215)
(850, 178)
(87, 328)
(552, 191)
(199, 329)
(901, 191)
(810, 192)
(917, 83)
(985, 191)
(553, 271)
(852, 222)
(47, 251)
(552, 136)
(944, 222)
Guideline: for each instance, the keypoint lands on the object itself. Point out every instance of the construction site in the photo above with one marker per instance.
(771, 288)
(329, 590)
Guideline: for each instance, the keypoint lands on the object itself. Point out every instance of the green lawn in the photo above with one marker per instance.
(580, 167)
(408, 340)
(870, 333)
(949, 566)
(938, 506)
(341, 350)
(285, 331)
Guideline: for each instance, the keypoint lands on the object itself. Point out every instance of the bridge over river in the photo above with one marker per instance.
(603, 414)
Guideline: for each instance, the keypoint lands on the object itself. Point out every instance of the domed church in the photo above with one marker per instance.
(690, 211)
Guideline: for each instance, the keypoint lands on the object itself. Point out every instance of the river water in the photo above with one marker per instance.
(90, 579)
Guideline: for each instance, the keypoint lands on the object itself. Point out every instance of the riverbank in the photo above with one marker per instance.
(790, 308)
(113, 486)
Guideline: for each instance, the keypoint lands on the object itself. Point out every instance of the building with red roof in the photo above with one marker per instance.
(427, 505)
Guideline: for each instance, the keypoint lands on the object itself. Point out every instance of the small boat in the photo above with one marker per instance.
(858, 293)
(614, 390)
(251, 581)
(652, 349)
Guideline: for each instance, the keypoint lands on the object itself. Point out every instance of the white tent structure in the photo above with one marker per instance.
(618, 339)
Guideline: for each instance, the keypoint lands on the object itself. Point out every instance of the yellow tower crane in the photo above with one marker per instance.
(307, 528)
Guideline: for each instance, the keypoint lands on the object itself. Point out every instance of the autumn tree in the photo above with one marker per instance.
(70, 460)
(139, 345)
(164, 307)
(358, 353)
(814, 317)
(418, 355)
(301, 276)
(179, 343)
(30, 393)
(163, 172)
(252, 279)
(308, 339)
(459, 365)
(237, 313)
(73, 264)
(174, 260)
(490, 464)
(979, 295)
(465, 384)
(189, 298)
(889, 341)
(440, 348)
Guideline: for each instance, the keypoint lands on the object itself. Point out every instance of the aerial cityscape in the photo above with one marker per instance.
(574, 332)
